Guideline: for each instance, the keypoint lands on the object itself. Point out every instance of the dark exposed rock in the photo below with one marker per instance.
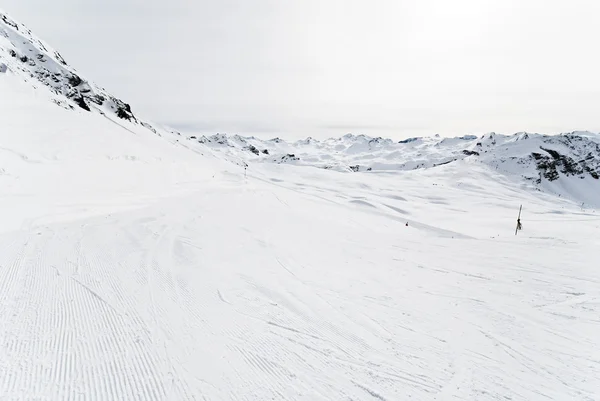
(552, 153)
(447, 162)
(123, 110)
(150, 127)
(550, 166)
(220, 139)
(80, 101)
(265, 151)
(287, 158)
(59, 58)
(470, 152)
(253, 149)
(98, 99)
(74, 80)
(10, 22)
(546, 166)
(122, 113)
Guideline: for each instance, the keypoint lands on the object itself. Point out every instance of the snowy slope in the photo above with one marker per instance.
(61, 157)
(566, 165)
(135, 266)
(34, 61)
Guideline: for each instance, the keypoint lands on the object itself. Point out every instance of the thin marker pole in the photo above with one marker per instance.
(518, 220)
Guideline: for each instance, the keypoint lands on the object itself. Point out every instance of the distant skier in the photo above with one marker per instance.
(407, 224)
(519, 226)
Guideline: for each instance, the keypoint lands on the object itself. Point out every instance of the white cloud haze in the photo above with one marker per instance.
(307, 67)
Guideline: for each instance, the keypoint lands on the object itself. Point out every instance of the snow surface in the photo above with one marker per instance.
(137, 266)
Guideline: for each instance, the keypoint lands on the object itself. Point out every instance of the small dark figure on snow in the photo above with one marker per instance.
(407, 224)
(519, 226)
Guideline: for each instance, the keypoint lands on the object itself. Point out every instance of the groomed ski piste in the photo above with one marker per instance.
(138, 264)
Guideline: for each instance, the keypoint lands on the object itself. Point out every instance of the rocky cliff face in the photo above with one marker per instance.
(580, 159)
(36, 62)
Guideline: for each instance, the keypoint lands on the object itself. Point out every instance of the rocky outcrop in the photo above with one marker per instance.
(33, 60)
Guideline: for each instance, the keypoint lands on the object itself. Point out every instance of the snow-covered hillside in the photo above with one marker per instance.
(137, 266)
(566, 165)
(34, 61)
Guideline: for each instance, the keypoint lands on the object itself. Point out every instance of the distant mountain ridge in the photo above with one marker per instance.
(561, 164)
(573, 154)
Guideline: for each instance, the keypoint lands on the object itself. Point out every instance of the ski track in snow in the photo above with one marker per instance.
(167, 302)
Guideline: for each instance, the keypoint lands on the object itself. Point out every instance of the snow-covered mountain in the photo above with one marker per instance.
(137, 264)
(567, 164)
(574, 154)
(25, 55)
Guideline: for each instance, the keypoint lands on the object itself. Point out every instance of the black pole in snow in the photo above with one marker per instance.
(519, 220)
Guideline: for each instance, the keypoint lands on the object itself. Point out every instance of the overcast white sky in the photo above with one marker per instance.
(394, 68)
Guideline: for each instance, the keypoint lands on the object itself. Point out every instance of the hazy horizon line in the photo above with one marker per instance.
(336, 130)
